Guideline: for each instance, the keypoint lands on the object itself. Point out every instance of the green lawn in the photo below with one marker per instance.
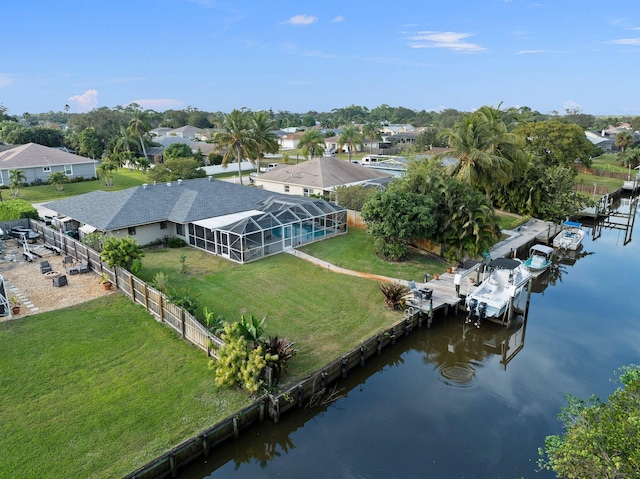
(608, 162)
(355, 251)
(324, 313)
(122, 179)
(98, 390)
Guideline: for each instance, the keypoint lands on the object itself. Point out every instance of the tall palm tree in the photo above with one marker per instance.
(486, 151)
(138, 126)
(372, 132)
(237, 137)
(312, 143)
(351, 138)
(262, 127)
(624, 139)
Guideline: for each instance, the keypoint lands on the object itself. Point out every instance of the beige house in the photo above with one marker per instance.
(319, 176)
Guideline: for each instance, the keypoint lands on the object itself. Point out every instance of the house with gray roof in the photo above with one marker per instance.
(240, 223)
(319, 176)
(37, 162)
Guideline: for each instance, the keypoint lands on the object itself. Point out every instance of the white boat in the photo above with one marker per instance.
(570, 237)
(540, 258)
(500, 289)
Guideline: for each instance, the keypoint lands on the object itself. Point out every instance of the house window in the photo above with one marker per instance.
(179, 229)
(68, 170)
(307, 191)
(46, 169)
(286, 188)
(131, 230)
(163, 225)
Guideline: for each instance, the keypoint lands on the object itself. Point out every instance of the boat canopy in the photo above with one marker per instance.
(573, 224)
(505, 263)
(544, 249)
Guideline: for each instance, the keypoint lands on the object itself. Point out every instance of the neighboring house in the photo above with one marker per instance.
(290, 140)
(38, 162)
(606, 143)
(319, 176)
(240, 223)
(396, 128)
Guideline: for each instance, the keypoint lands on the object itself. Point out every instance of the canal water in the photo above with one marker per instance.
(454, 401)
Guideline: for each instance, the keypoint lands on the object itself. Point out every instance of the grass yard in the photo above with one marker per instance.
(608, 162)
(122, 179)
(324, 313)
(355, 251)
(98, 390)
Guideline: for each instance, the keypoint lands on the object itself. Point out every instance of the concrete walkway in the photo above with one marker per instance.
(527, 233)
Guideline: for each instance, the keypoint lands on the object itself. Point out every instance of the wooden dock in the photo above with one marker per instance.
(446, 294)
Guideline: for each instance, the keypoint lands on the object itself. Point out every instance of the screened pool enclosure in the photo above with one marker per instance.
(276, 223)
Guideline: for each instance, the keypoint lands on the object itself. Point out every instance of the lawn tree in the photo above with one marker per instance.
(176, 169)
(556, 143)
(312, 143)
(106, 169)
(236, 137)
(16, 180)
(178, 150)
(351, 138)
(121, 252)
(58, 179)
(394, 217)
(351, 197)
(601, 439)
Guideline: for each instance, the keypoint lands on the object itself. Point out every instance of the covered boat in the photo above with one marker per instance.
(499, 290)
(540, 258)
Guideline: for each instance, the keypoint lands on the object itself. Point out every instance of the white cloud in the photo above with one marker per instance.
(626, 41)
(448, 40)
(302, 20)
(85, 102)
(338, 19)
(530, 52)
(570, 105)
(159, 104)
(6, 80)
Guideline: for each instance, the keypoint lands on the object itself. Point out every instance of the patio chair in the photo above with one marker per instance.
(45, 267)
(60, 281)
(67, 260)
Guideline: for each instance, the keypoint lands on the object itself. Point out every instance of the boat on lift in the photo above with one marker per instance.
(500, 289)
(570, 237)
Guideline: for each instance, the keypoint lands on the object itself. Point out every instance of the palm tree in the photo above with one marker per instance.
(312, 143)
(624, 139)
(139, 127)
(16, 178)
(57, 179)
(486, 151)
(262, 127)
(237, 137)
(372, 132)
(351, 138)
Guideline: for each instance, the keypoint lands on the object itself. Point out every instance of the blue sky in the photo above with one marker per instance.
(217, 55)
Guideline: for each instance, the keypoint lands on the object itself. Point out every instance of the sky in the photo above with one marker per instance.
(220, 55)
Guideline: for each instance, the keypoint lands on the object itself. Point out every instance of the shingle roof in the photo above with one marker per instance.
(326, 172)
(181, 202)
(34, 155)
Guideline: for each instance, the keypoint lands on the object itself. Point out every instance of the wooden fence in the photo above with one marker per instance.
(136, 289)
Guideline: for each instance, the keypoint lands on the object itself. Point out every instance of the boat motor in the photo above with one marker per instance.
(482, 309)
(472, 307)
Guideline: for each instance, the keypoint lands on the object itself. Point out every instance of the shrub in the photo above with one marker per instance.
(14, 209)
(394, 295)
(175, 242)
